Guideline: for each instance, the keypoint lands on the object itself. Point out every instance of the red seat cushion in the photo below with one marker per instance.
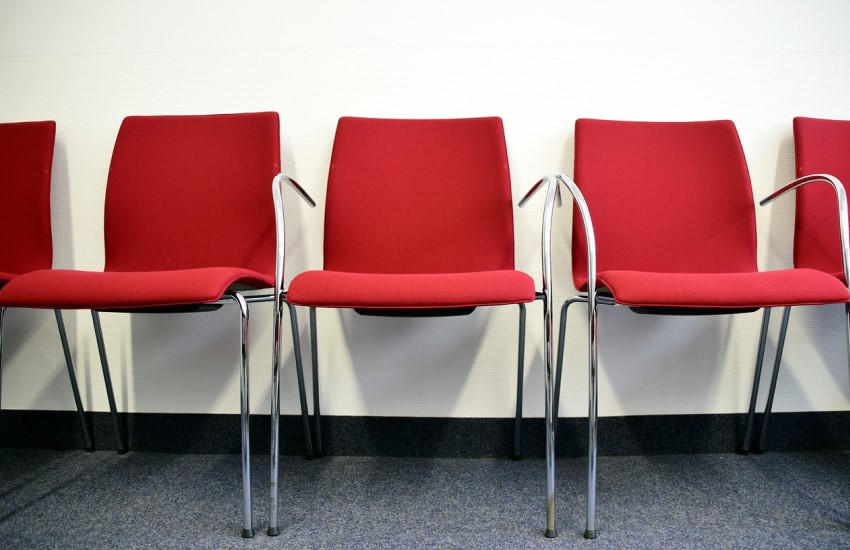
(410, 291)
(789, 287)
(66, 289)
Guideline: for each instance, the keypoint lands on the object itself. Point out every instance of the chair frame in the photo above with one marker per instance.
(841, 197)
(553, 195)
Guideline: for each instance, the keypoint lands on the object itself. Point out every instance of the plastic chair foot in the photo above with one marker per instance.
(247, 533)
(551, 533)
(273, 531)
(589, 534)
(516, 457)
(123, 451)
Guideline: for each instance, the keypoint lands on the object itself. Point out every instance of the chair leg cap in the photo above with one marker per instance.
(273, 531)
(516, 458)
(247, 533)
(590, 533)
(551, 534)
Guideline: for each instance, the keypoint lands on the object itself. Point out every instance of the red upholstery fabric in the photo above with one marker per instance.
(724, 290)
(668, 197)
(66, 289)
(188, 213)
(418, 215)
(26, 162)
(419, 196)
(192, 191)
(673, 214)
(410, 291)
(821, 147)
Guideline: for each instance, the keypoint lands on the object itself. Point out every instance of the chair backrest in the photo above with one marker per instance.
(26, 161)
(419, 196)
(668, 197)
(821, 147)
(192, 191)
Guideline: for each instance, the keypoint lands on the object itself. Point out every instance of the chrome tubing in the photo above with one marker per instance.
(279, 298)
(593, 380)
(317, 412)
(107, 380)
(2, 316)
(75, 389)
(552, 196)
(780, 346)
(245, 414)
(841, 197)
(751, 413)
(520, 375)
(273, 529)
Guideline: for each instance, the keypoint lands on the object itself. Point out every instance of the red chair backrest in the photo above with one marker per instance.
(192, 191)
(821, 147)
(26, 162)
(419, 196)
(668, 197)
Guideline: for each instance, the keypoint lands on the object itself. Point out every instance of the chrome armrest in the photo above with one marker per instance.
(840, 194)
(280, 230)
(553, 195)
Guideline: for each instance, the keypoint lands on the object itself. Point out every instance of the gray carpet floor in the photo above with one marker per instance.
(73, 499)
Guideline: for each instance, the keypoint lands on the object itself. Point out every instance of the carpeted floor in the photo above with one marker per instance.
(73, 499)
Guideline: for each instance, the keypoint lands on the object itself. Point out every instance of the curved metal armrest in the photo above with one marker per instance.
(840, 194)
(553, 195)
(280, 248)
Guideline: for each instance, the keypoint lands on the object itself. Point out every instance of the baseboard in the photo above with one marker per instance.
(426, 437)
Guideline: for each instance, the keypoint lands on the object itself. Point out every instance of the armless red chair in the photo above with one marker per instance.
(673, 233)
(822, 149)
(418, 221)
(26, 241)
(189, 224)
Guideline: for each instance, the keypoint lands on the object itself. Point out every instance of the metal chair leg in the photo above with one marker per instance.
(748, 431)
(69, 363)
(562, 331)
(299, 371)
(2, 316)
(779, 347)
(107, 379)
(548, 404)
(317, 413)
(519, 383)
(274, 452)
(245, 413)
(590, 529)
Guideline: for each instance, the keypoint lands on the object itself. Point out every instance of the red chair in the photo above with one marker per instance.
(418, 222)
(820, 232)
(26, 242)
(189, 224)
(675, 234)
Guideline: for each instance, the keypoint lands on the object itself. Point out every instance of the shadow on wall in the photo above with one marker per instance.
(409, 364)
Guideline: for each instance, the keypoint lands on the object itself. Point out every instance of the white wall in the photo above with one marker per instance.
(539, 66)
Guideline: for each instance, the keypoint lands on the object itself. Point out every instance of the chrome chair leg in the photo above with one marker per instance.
(2, 316)
(107, 379)
(245, 412)
(274, 528)
(519, 383)
(562, 331)
(299, 371)
(748, 431)
(69, 363)
(317, 413)
(549, 385)
(786, 313)
(274, 452)
(593, 386)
